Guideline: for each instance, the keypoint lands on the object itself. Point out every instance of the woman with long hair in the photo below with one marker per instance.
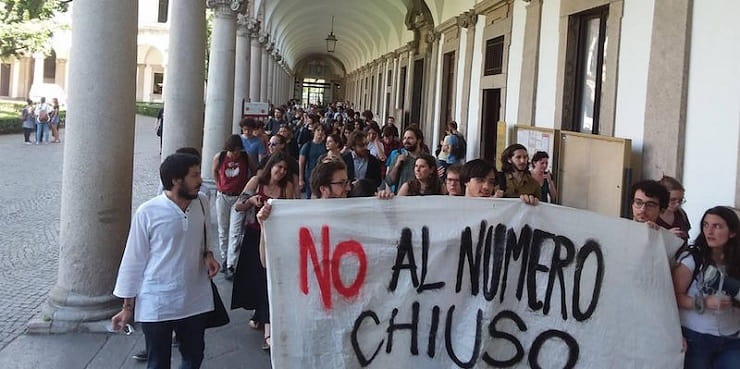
(426, 181)
(706, 282)
(540, 162)
(517, 179)
(334, 146)
(250, 280)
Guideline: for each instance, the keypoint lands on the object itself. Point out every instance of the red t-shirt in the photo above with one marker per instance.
(233, 174)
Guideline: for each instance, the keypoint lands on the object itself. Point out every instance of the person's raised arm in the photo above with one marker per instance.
(396, 166)
(247, 199)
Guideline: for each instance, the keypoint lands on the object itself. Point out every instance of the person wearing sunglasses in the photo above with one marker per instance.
(278, 143)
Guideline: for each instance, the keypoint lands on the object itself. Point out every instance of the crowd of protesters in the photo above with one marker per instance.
(335, 152)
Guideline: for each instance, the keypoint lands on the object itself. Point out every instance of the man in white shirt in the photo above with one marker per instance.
(165, 271)
(43, 113)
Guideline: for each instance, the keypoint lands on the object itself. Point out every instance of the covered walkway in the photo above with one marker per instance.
(651, 72)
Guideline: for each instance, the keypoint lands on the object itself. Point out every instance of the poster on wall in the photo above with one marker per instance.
(441, 282)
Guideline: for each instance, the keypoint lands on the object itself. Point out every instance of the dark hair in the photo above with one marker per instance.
(266, 174)
(507, 154)
(322, 173)
(454, 168)
(417, 132)
(388, 131)
(362, 188)
(435, 185)
(368, 115)
(355, 138)
(248, 123)
(176, 166)
(29, 102)
(373, 126)
(731, 249)
(452, 124)
(652, 189)
(539, 155)
(477, 168)
(280, 138)
(338, 139)
(233, 142)
(671, 184)
(188, 150)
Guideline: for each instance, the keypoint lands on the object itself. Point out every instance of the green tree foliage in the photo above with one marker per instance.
(27, 25)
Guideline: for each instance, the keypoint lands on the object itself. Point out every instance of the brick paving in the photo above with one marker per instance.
(31, 179)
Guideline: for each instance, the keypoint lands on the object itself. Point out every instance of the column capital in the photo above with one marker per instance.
(269, 46)
(467, 19)
(433, 37)
(242, 25)
(253, 26)
(223, 5)
(221, 8)
(263, 38)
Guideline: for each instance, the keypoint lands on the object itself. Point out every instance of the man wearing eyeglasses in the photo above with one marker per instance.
(649, 198)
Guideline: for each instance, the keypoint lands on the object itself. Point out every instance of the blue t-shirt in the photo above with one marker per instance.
(312, 151)
(254, 146)
(451, 157)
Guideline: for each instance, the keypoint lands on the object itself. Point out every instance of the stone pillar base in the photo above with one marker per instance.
(67, 311)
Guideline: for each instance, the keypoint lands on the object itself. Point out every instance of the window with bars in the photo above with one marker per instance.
(494, 61)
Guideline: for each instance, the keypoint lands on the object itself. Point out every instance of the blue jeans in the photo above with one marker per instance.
(189, 332)
(42, 131)
(707, 351)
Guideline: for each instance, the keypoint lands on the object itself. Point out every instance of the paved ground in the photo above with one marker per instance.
(29, 227)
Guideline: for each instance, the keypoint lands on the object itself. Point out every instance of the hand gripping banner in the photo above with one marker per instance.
(441, 282)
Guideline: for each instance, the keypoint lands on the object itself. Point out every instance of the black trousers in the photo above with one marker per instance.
(189, 332)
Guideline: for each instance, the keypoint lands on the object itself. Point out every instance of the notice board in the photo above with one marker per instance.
(539, 139)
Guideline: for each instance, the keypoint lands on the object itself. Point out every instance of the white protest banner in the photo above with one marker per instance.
(441, 282)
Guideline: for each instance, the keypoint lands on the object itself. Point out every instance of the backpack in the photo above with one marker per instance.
(43, 115)
(461, 148)
(695, 253)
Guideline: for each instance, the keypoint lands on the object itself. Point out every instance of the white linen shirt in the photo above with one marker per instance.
(163, 265)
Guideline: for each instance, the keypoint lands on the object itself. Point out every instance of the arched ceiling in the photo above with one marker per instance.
(366, 29)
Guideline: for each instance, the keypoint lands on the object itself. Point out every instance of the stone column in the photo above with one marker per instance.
(220, 87)
(265, 65)
(148, 82)
(185, 77)
(98, 166)
(270, 76)
(38, 69)
(667, 90)
(530, 64)
(61, 73)
(255, 64)
(139, 82)
(241, 71)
